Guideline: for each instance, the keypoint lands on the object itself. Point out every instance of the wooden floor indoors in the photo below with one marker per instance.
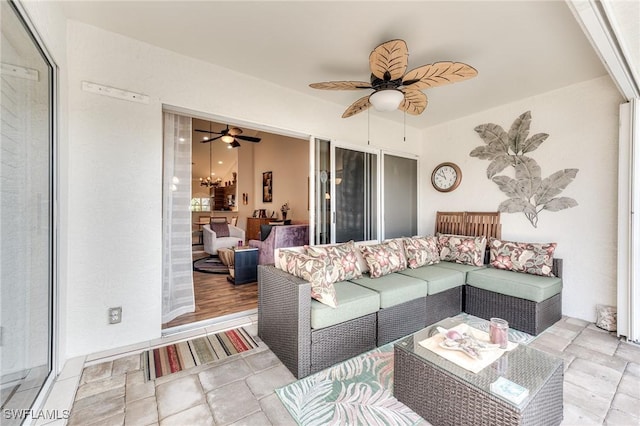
(215, 297)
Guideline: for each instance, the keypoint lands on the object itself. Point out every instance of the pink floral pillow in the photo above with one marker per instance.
(462, 249)
(343, 256)
(384, 258)
(421, 251)
(316, 270)
(531, 258)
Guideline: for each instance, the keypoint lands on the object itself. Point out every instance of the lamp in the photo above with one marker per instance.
(227, 139)
(386, 99)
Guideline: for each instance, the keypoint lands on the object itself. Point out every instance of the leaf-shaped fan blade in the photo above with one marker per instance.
(235, 144)
(207, 131)
(389, 60)
(211, 139)
(356, 107)
(437, 74)
(248, 138)
(414, 102)
(341, 85)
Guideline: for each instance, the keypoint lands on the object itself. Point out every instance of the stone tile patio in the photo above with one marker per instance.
(601, 386)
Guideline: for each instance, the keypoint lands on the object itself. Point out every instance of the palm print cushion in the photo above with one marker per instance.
(316, 270)
(531, 258)
(421, 251)
(462, 249)
(383, 259)
(343, 256)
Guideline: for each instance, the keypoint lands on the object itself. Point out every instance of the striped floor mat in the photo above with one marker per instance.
(170, 359)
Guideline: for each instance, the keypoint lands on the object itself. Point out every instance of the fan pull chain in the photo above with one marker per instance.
(404, 135)
(368, 126)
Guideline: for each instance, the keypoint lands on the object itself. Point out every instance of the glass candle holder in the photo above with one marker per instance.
(498, 332)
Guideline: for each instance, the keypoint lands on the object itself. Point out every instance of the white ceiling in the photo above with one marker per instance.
(520, 48)
(214, 158)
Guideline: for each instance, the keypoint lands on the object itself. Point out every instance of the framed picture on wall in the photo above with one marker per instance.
(267, 187)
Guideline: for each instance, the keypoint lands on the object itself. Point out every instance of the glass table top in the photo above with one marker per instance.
(525, 366)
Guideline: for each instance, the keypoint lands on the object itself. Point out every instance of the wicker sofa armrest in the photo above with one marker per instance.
(284, 317)
(556, 268)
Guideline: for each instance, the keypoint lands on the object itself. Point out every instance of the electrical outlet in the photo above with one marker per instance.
(115, 315)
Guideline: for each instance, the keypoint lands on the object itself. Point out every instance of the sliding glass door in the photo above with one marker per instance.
(355, 188)
(26, 215)
(400, 196)
(320, 196)
(362, 194)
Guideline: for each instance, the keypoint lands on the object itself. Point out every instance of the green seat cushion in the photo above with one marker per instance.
(459, 266)
(516, 284)
(394, 288)
(438, 279)
(353, 301)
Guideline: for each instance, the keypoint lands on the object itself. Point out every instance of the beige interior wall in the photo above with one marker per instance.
(288, 160)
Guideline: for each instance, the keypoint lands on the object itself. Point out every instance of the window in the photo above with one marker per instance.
(201, 204)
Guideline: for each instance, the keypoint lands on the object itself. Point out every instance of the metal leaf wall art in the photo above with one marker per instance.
(528, 193)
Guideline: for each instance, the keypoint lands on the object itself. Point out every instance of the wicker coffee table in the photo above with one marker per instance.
(445, 394)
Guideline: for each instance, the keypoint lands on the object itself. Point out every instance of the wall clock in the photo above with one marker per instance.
(446, 177)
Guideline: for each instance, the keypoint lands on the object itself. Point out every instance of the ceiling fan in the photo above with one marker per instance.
(392, 86)
(230, 135)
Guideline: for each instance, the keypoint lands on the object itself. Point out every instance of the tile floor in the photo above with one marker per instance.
(601, 386)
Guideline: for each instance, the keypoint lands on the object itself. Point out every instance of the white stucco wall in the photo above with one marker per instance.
(582, 121)
(111, 167)
(115, 169)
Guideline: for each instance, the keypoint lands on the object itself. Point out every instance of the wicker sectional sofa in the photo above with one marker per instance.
(309, 336)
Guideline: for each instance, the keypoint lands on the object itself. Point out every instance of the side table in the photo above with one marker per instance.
(242, 263)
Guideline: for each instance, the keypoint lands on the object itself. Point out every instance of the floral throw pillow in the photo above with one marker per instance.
(421, 251)
(343, 256)
(316, 270)
(462, 249)
(383, 259)
(282, 260)
(531, 258)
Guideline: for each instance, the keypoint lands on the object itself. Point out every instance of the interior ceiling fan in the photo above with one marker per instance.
(230, 135)
(392, 86)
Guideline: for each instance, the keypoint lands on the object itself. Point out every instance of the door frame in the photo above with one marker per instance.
(55, 357)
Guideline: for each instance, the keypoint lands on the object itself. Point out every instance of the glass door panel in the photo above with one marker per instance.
(26, 215)
(400, 196)
(321, 192)
(354, 184)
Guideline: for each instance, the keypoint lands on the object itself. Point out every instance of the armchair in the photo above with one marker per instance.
(280, 236)
(212, 242)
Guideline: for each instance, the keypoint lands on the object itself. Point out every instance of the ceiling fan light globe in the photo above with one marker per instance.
(386, 100)
(227, 139)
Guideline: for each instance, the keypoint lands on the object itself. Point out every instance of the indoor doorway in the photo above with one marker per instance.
(226, 184)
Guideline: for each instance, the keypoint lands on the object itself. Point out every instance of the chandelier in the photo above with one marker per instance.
(208, 182)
